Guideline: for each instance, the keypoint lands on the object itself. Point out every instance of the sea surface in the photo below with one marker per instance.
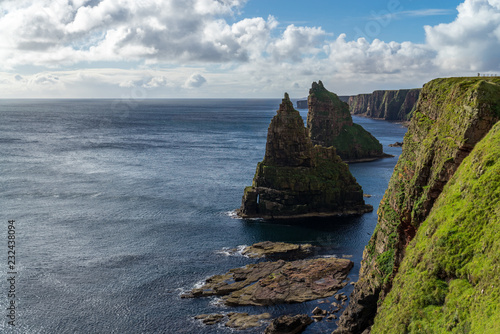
(120, 206)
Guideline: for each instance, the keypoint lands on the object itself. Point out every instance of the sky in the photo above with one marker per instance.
(138, 49)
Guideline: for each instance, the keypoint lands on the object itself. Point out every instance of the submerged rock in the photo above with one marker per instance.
(240, 321)
(330, 124)
(297, 179)
(210, 319)
(269, 283)
(287, 324)
(279, 250)
(245, 321)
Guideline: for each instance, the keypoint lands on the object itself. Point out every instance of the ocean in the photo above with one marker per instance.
(120, 206)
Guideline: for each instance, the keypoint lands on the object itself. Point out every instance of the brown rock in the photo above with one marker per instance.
(268, 283)
(289, 324)
(279, 250)
(295, 282)
(210, 319)
(243, 321)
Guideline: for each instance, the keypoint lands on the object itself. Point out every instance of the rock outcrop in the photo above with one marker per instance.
(297, 179)
(330, 124)
(278, 251)
(451, 117)
(269, 283)
(391, 105)
(239, 321)
(287, 324)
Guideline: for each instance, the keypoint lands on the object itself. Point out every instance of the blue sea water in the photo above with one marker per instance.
(121, 206)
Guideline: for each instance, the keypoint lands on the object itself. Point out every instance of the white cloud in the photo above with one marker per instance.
(472, 40)
(241, 57)
(195, 81)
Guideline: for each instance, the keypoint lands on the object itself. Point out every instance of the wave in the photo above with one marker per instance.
(228, 251)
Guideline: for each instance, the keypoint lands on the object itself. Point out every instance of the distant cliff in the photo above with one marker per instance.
(391, 105)
(298, 179)
(432, 263)
(330, 124)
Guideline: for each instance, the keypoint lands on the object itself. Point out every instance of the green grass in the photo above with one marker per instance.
(449, 281)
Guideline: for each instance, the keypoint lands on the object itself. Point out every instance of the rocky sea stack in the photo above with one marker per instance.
(330, 124)
(433, 262)
(297, 179)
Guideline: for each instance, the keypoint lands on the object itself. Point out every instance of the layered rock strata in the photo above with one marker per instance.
(330, 124)
(297, 179)
(269, 283)
(391, 105)
(451, 117)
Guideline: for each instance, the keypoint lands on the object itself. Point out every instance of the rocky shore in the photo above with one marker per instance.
(277, 282)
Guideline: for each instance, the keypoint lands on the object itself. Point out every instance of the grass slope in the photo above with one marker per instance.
(449, 281)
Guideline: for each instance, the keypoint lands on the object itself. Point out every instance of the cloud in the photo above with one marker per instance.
(379, 57)
(195, 81)
(471, 41)
(155, 45)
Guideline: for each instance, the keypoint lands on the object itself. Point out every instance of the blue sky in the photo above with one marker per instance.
(239, 48)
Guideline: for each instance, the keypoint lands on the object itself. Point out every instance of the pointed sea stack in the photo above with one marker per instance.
(297, 179)
(330, 124)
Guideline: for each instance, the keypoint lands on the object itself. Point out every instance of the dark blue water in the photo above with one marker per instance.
(121, 207)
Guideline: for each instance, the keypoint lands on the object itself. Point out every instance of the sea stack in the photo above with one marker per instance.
(297, 179)
(330, 124)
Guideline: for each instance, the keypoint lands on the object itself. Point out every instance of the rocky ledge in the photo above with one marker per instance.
(278, 250)
(287, 324)
(297, 179)
(278, 282)
(240, 321)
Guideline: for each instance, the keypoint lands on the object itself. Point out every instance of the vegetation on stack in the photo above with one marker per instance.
(298, 179)
(330, 124)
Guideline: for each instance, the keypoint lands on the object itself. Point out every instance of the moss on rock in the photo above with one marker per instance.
(451, 117)
(449, 280)
(330, 124)
(298, 179)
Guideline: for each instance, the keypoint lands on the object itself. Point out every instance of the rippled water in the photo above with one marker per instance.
(120, 207)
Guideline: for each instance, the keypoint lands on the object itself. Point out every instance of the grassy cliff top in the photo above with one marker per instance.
(449, 281)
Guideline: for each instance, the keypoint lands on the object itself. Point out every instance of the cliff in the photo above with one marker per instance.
(298, 179)
(451, 117)
(391, 105)
(330, 124)
(449, 279)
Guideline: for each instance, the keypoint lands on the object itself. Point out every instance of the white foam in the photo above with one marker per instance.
(232, 214)
(227, 251)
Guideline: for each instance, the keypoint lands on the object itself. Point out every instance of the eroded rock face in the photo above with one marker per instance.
(391, 105)
(297, 179)
(451, 117)
(330, 124)
(269, 283)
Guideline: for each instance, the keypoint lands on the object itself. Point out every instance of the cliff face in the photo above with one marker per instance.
(451, 117)
(449, 279)
(391, 105)
(330, 124)
(298, 179)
